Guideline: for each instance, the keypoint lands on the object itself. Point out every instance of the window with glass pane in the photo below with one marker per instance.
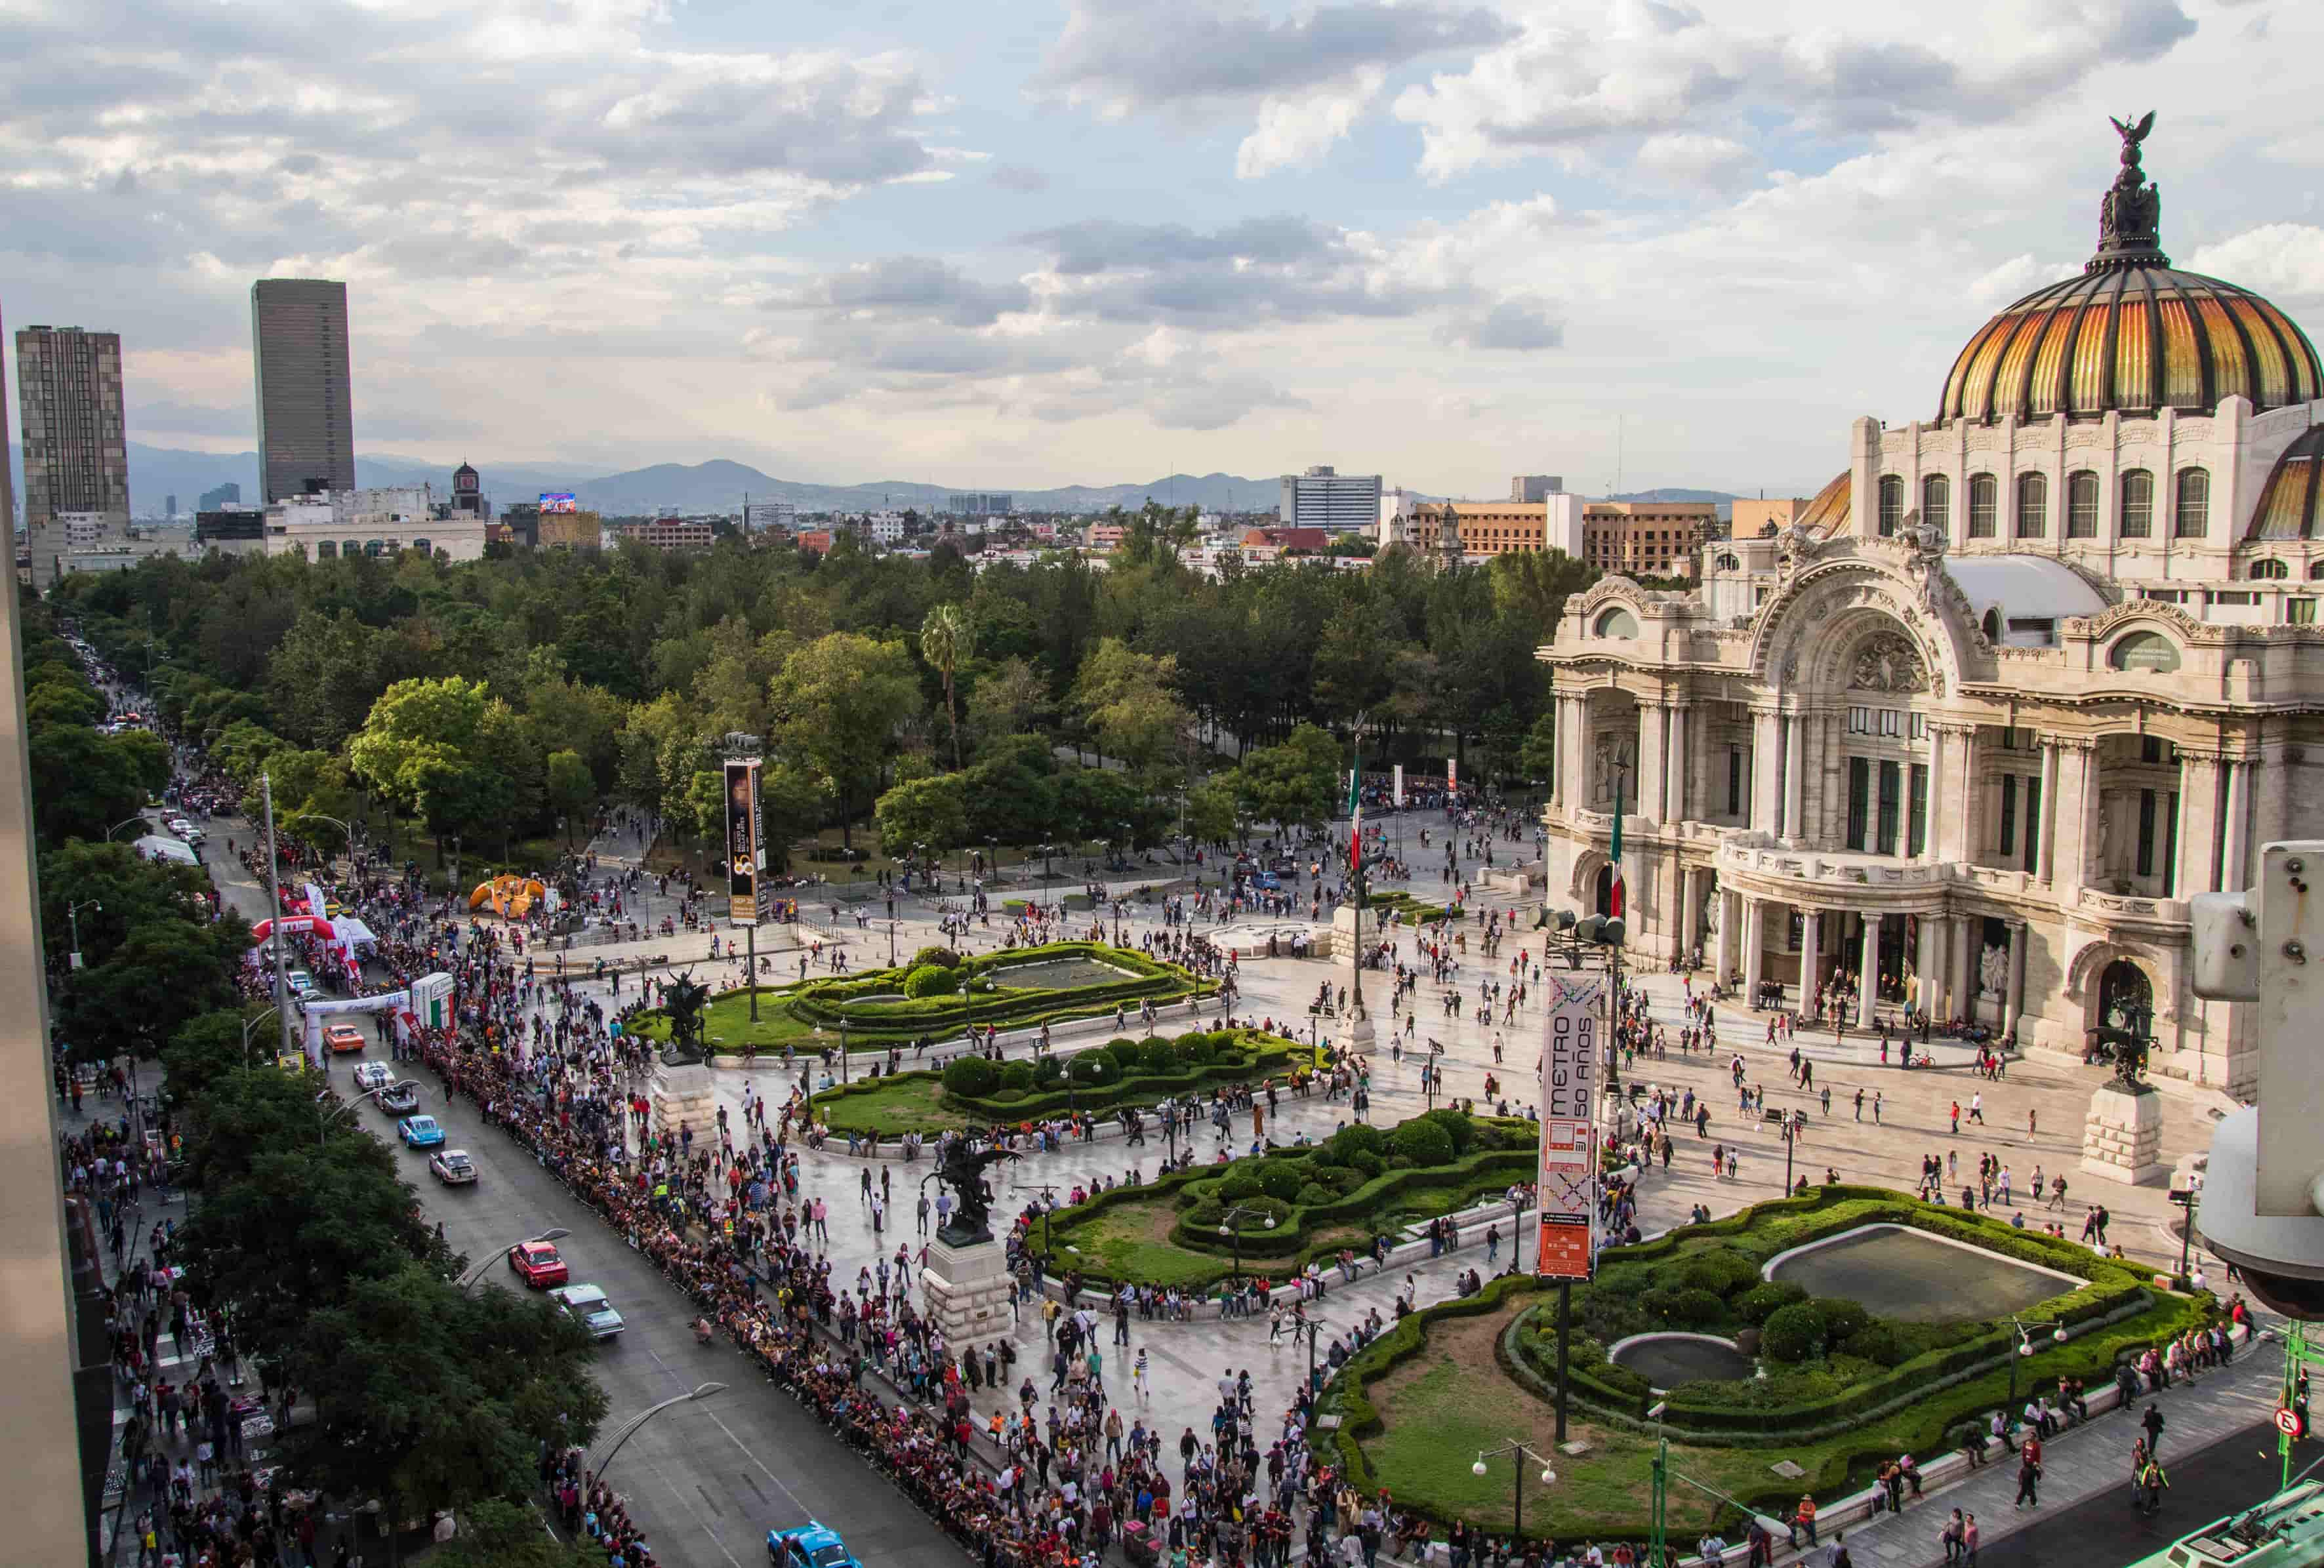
(1891, 805)
(1892, 504)
(1916, 817)
(1984, 505)
(2082, 505)
(2194, 510)
(1860, 801)
(2137, 505)
(2008, 813)
(1937, 502)
(2033, 505)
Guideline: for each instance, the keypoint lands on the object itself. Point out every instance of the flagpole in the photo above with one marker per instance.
(1355, 1033)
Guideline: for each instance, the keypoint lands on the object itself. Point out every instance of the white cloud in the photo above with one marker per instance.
(2284, 260)
(1294, 132)
(1692, 159)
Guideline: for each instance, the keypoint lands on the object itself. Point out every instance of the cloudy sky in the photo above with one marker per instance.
(1025, 242)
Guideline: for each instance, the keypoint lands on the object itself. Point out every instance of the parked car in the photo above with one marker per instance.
(453, 1167)
(538, 1264)
(420, 1131)
(587, 1303)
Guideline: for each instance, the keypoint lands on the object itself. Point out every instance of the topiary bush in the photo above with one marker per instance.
(1423, 1142)
(930, 980)
(941, 957)
(1314, 1193)
(1284, 1179)
(971, 1075)
(1761, 1302)
(1125, 1053)
(1357, 1136)
(1795, 1332)
(1238, 1185)
(1366, 1164)
(1842, 1318)
(1094, 1067)
(1879, 1342)
(1016, 1075)
(1196, 1049)
(1721, 1271)
(1457, 1127)
(1155, 1055)
(1695, 1308)
(1047, 1071)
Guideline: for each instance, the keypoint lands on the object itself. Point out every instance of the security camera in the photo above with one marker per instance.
(2263, 1202)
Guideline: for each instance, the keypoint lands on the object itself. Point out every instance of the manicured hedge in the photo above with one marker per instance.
(831, 1004)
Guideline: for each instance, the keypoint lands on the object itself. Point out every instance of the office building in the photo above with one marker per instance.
(306, 399)
(76, 448)
(1322, 497)
(1646, 538)
(382, 521)
(520, 524)
(8, 469)
(2031, 673)
(169, 507)
(672, 533)
(770, 516)
(981, 504)
(570, 530)
(1534, 487)
(1498, 527)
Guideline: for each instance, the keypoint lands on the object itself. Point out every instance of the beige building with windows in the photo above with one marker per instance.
(1647, 539)
(1975, 724)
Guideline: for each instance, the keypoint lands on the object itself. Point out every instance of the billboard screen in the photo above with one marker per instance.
(742, 840)
(1568, 1141)
(562, 502)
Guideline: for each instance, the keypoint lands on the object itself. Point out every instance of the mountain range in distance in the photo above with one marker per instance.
(156, 473)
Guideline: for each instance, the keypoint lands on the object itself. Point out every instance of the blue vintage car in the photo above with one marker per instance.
(809, 1545)
(419, 1132)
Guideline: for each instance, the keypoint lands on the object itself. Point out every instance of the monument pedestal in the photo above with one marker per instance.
(682, 1096)
(2122, 1137)
(965, 1292)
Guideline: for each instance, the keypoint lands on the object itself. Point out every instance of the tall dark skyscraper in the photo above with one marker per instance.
(306, 404)
(7, 475)
(68, 401)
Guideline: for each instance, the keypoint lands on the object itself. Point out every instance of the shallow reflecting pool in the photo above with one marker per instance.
(1666, 1360)
(1907, 1274)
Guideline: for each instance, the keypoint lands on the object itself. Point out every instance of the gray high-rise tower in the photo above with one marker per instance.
(306, 401)
(76, 450)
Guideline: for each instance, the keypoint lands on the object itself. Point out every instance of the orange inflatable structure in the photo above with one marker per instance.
(510, 898)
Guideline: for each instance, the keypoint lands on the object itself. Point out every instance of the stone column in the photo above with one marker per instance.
(1653, 743)
(1766, 771)
(1810, 953)
(2014, 1003)
(2083, 868)
(1965, 956)
(2234, 832)
(1573, 757)
(1559, 713)
(1924, 965)
(1754, 946)
(2199, 823)
(1867, 980)
(1932, 824)
(1730, 916)
(1690, 910)
(1795, 731)
(1676, 767)
(2048, 825)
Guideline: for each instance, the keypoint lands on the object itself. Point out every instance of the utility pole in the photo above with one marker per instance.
(274, 903)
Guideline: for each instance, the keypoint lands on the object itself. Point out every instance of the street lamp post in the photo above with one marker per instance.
(2023, 1350)
(72, 916)
(1228, 1228)
(630, 1428)
(325, 1116)
(467, 1280)
(253, 1024)
(1308, 1328)
(1518, 1453)
(124, 822)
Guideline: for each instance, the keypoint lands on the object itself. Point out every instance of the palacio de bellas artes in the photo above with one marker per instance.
(1969, 730)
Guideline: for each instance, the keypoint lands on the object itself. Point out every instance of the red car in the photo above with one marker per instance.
(538, 1264)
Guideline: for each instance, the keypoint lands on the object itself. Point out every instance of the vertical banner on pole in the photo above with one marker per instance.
(1400, 786)
(1452, 776)
(1569, 1141)
(742, 840)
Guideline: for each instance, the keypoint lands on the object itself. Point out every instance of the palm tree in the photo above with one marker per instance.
(944, 640)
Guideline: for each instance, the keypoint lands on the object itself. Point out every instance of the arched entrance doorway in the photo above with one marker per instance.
(1602, 900)
(2125, 997)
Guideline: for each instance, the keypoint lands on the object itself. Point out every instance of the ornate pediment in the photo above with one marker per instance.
(1887, 661)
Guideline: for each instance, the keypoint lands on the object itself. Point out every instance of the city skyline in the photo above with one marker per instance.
(1424, 240)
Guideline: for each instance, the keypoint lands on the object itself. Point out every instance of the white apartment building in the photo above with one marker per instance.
(382, 521)
(1323, 497)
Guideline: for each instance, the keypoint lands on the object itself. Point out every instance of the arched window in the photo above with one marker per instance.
(1730, 564)
(1891, 505)
(2194, 511)
(2315, 570)
(326, 549)
(2144, 651)
(2033, 505)
(1937, 504)
(1984, 506)
(2083, 504)
(1618, 622)
(2270, 570)
(423, 546)
(371, 547)
(2137, 505)
(1992, 624)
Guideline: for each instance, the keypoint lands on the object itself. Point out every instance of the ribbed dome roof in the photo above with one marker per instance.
(2131, 333)
(1826, 516)
(2291, 506)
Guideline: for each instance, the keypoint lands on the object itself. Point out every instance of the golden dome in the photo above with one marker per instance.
(2292, 505)
(1826, 516)
(2131, 333)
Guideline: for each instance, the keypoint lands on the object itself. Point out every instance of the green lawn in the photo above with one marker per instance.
(907, 1105)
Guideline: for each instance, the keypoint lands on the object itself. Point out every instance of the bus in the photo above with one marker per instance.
(2287, 1531)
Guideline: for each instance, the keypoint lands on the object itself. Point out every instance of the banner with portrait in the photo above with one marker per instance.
(742, 840)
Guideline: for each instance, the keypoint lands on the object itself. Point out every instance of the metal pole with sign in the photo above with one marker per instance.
(1568, 1166)
(744, 854)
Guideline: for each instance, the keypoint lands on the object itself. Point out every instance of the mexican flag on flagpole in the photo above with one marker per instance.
(1356, 815)
(1614, 889)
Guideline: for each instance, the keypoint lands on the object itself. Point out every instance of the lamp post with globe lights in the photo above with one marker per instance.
(1228, 1229)
(1519, 1453)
